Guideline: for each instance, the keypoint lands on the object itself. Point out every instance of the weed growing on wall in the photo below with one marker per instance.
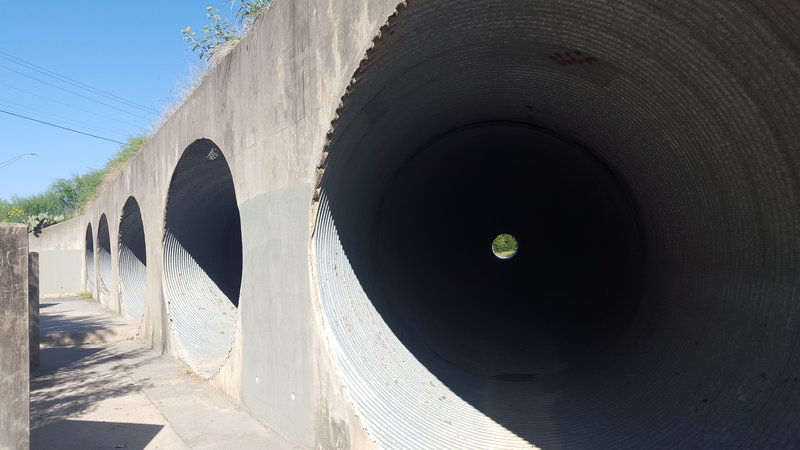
(219, 35)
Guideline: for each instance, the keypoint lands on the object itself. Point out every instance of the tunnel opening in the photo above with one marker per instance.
(104, 261)
(132, 260)
(505, 246)
(572, 293)
(89, 259)
(648, 286)
(203, 257)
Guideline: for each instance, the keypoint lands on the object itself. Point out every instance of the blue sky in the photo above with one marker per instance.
(132, 50)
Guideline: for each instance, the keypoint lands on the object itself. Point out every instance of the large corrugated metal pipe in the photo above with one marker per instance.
(104, 269)
(202, 257)
(132, 260)
(568, 225)
(89, 258)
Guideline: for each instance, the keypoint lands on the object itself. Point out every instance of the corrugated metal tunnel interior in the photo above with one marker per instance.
(202, 257)
(89, 258)
(639, 156)
(132, 260)
(104, 268)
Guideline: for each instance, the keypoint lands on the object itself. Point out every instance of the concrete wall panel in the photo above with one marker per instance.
(62, 271)
(276, 312)
(61, 254)
(14, 350)
(33, 312)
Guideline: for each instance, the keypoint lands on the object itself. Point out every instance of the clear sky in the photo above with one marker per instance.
(130, 50)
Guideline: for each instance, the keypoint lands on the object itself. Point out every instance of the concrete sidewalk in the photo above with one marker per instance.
(125, 395)
(77, 320)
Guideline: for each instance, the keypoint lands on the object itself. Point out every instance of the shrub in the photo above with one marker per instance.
(67, 197)
(219, 36)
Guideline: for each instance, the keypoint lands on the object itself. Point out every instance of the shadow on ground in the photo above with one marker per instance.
(75, 379)
(60, 322)
(94, 435)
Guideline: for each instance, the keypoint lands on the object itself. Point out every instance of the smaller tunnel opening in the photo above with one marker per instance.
(505, 246)
(104, 261)
(89, 258)
(132, 260)
(506, 314)
(203, 256)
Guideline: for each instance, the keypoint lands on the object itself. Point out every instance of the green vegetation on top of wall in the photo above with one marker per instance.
(219, 35)
(67, 197)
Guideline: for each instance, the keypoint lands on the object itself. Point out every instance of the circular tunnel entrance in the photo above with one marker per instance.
(103, 261)
(203, 257)
(651, 302)
(570, 293)
(132, 260)
(89, 259)
(505, 246)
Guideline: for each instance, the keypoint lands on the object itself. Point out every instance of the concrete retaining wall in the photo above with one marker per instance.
(332, 189)
(61, 258)
(14, 369)
(268, 108)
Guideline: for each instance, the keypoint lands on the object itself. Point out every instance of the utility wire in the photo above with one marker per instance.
(5, 163)
(59, 126)
(73, 82)
(72, 92)
(22, 109)
(69, 105)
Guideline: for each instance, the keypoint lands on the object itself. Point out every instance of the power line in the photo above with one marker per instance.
(69, 105)
(5, 163)
(23, 109)
(72, 92)
(47, 114)
(73, 82)
(59, 126)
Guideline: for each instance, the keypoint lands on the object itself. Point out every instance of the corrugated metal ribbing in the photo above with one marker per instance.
(104, 261)
(202, 317)
(132, 260)
(203, 257)
(89, 258)
(653, 302)
(133, 283)
(400, 402)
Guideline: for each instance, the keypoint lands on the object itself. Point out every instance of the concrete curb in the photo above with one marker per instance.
(88, 337)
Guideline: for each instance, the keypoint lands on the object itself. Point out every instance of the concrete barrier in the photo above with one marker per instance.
(33, 312)
(14, 367)
(318, 219)
(61, 261)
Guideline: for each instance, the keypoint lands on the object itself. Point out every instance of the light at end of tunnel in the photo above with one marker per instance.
(505, 246)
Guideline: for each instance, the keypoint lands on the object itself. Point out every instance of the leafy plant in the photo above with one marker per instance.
(220, 35)
(39, 221)
(13, 213)
(66, 198)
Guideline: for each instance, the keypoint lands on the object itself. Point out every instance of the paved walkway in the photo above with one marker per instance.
(124, 395)
(77, 320)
